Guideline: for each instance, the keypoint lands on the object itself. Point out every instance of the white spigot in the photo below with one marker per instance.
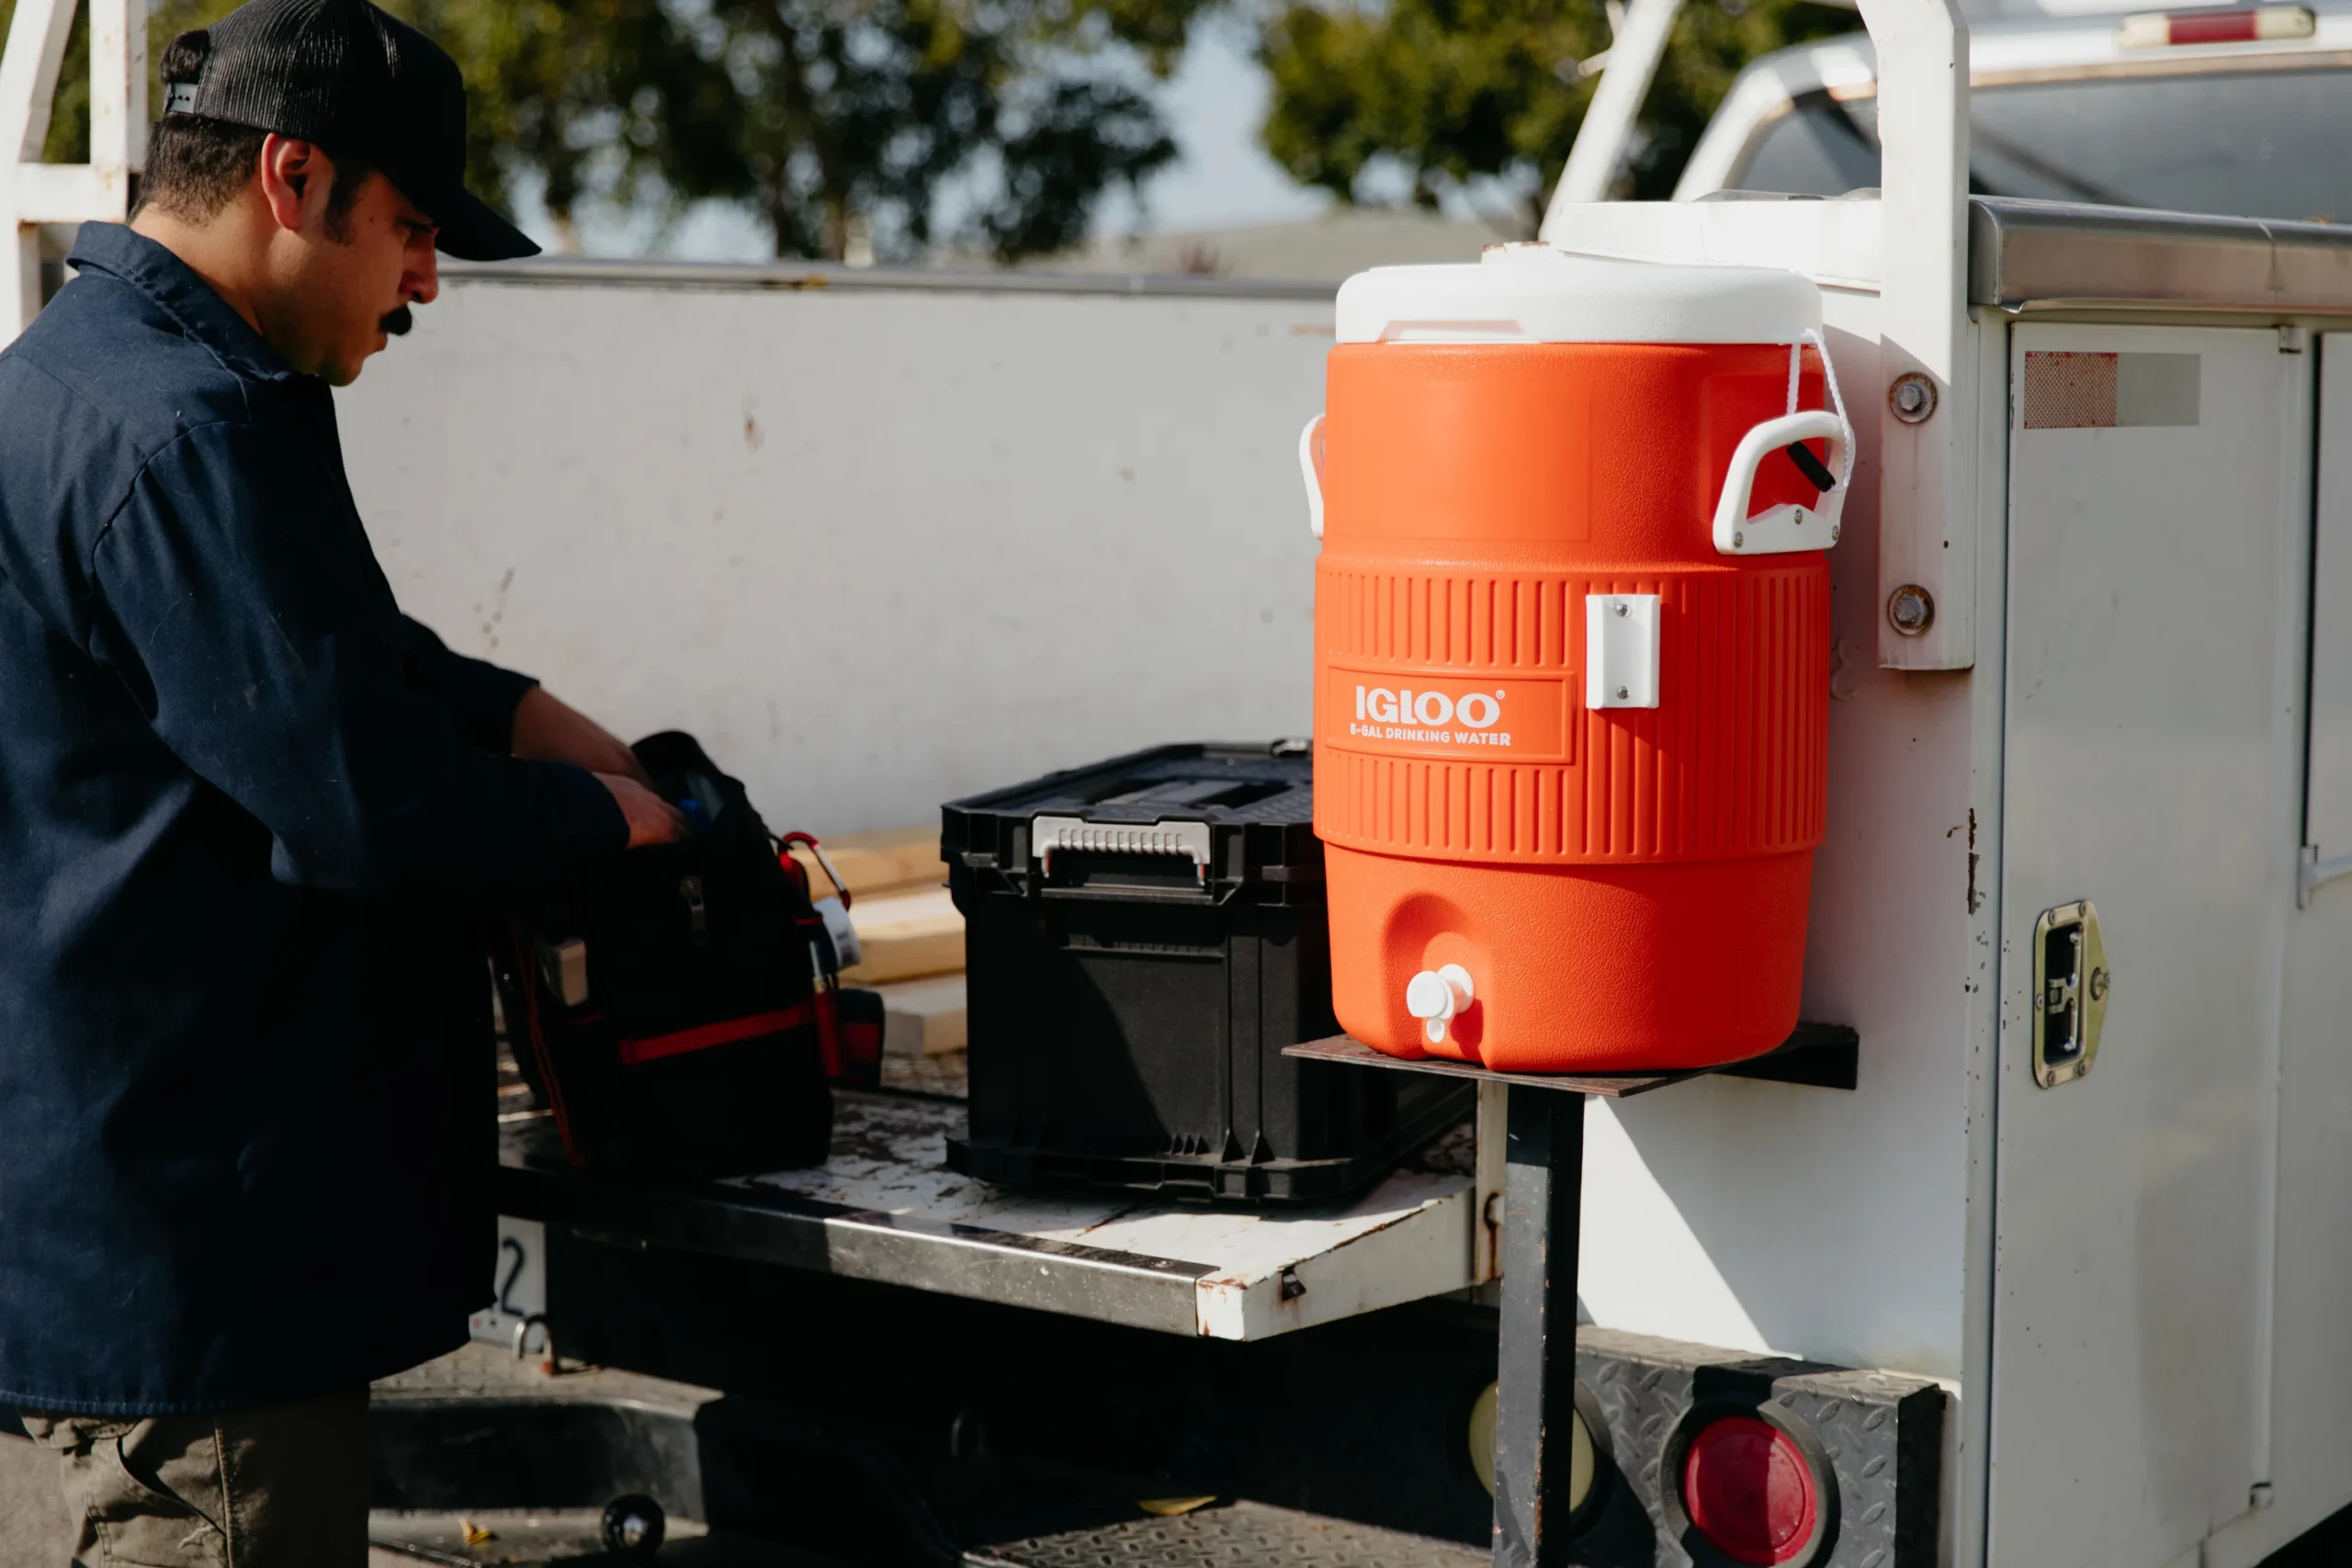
(1437, 997)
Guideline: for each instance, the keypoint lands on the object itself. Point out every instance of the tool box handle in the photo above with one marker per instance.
(1071, 835)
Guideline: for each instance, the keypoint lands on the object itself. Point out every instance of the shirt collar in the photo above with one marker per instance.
(175, 287)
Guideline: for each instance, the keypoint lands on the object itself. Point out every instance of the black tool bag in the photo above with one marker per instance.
(676, 1015)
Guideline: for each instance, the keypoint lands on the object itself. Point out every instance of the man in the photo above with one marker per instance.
(251, 819)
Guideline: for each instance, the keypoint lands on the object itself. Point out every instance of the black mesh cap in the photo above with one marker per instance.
(360, 83)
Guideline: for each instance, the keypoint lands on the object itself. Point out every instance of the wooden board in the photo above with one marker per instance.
(905, 936)
(925, 1017)
(895, 860)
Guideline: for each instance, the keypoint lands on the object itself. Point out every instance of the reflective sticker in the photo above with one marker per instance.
(2068, 390)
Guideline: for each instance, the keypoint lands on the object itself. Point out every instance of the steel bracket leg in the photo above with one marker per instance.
(1536, 1367)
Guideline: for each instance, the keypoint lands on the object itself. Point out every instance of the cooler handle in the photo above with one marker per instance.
(1310, 467)
(1780, 529)
(1784, 529)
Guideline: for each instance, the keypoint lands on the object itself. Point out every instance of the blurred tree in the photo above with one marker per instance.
(847, 124)
(69, 122)
(1450, 92)
(844, 120)
(568, 97)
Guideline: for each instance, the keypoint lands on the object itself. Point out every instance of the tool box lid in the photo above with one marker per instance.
(1237, 813)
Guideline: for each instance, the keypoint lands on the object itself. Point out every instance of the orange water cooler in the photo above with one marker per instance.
(1572, 656)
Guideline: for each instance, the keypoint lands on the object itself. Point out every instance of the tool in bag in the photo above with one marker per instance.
(680, 1014)
(849, 1021)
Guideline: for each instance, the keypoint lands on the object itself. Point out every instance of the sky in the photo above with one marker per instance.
(1221, 179)
(1214, 104)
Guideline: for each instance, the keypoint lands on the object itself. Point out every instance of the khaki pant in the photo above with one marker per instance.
(284, 1487)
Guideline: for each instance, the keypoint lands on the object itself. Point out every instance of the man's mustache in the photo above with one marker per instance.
(398, 323)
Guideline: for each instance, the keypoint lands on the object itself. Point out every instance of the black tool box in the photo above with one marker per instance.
(1142, 939)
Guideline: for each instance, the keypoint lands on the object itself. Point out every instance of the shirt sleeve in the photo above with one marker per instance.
(238, 598)
(480, 695)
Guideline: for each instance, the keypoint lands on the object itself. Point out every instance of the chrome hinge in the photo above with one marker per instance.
(2313, 872)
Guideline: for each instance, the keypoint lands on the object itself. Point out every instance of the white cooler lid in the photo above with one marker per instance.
(1532, 293)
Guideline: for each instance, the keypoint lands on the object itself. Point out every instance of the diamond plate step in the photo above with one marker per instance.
(1235, 1533)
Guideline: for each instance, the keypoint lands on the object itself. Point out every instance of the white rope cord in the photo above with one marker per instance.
(1836, 402)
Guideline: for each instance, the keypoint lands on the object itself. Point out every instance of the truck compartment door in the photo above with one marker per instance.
(2158, 523)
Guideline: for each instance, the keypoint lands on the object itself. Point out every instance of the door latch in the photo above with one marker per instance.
(2070, 986)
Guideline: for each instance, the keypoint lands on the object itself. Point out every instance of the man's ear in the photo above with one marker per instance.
(293, 173)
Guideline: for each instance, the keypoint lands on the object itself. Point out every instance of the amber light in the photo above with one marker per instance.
(1749, 1491)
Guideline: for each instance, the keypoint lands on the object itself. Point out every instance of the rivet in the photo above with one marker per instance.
(1621, 694)
(1739, 540)
(1621, 607)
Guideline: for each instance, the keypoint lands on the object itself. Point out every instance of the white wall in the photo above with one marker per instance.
(877, 546)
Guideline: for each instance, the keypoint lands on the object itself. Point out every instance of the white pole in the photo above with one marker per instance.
(31, 192)
(1927, 496)
(117, 90)
(1604, 139)
(28, 63)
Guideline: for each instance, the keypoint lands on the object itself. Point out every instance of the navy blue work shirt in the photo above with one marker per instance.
(252, 821)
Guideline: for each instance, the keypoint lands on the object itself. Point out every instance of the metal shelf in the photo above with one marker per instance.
(1824, 1056)
(885, 1208)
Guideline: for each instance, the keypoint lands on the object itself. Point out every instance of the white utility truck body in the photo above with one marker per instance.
(2133, 1278)
(2120, 497)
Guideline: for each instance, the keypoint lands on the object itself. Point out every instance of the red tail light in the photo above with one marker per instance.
(1750, 1491)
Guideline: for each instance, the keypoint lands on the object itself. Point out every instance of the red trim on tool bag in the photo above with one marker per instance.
(825, 1001)
(703, 1036)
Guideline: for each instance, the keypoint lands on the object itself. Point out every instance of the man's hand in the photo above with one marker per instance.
(546, 731)
(652, 820)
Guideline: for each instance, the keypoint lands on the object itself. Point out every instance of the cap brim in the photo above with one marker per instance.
(470, 230)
